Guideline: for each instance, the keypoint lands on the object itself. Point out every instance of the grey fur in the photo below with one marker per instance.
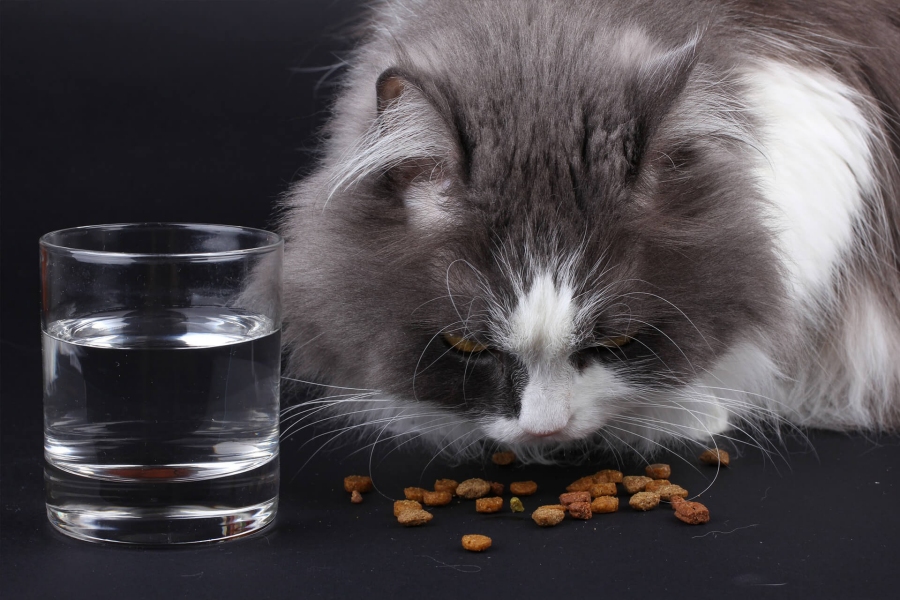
(548, 139)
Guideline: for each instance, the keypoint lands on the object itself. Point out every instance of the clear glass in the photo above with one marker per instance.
(161, 347)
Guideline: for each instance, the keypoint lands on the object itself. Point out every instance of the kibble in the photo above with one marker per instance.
(692, 513)
(497, 488)
(355, 497)
(554, 506)
(655, 485)
(414, 493)
(581, 485)
(644, 501)
(658, 471)
(570, 497)
(548, 517)
(523, 488)
(635, 483)
(404, 505)
(489, 505)
(436, 498)
(604, 504)
(580, 510)
(414, 517)
(445, 485)
(503, 458)
(668, 492)
(473, 488)
(476, 543)
(603, 489)
(358, 483)
(608, 476)
(714, 456)
(516, 505)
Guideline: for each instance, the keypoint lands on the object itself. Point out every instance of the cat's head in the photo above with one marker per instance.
(529, 232)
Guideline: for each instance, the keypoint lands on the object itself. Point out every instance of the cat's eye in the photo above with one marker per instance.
(614, 342)
(463, 344)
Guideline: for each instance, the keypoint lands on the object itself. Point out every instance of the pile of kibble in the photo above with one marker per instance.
(590, 495)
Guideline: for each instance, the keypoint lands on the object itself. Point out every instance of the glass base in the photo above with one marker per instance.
(174, 525)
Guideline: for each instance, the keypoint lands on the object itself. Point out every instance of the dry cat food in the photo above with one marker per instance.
(414, 493)
(503, 458)
(668, 492)
(441, 498)
(548, 517)
(497, 488)
(355, 497)
(523, 488)
(404, 505)
(414, 517)
(655, 484)
(608, 476)
(658, 471)
(604, 504)
(714, 456)
(692, 513)
(570, 497)
(489, 505)
(581, 485)
(644, 501)
(603, 489)
(358, 483)
(580, 510)
(476, 543)
(635, 483)
(473, 488)
(515, 505)
(445, 485)
(554, 506)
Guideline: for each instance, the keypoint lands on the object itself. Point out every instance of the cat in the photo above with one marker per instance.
(548, 224)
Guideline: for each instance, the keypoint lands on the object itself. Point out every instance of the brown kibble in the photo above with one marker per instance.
(357, 483)
(548, 517)
(644, 501)
(635, 483)
(605, 504)
(476, 543)
(516, 505)
(714, 456)
(355, 497)
(692, 513)
(658, 471)
(581, 485)
(580, 510)
(608, 476)
(403, 505)
(668, 492)
(655, 484)
(414, 517)
(414, 493)
(603, 489)
(554, 507)
(497, 488)
(523, 488)
(436, 498)
(570, 497)
(445, 485)
(489, 505)
(503, 458)
(473, 488)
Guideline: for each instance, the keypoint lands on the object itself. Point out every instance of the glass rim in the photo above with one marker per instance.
(271, 240)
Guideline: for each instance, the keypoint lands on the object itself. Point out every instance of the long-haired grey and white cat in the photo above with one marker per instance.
(547, 224)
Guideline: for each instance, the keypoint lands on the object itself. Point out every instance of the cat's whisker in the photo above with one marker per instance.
(328, 385)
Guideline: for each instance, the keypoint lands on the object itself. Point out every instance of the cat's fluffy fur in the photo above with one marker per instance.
(717, 180)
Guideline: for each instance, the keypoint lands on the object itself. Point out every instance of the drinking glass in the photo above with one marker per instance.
(161, 349)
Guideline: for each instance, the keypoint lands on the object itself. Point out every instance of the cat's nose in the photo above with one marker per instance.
(543, 433)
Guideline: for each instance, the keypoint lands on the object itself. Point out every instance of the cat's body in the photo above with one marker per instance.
(542, 222)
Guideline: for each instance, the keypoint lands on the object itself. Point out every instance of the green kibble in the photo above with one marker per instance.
(515, 505)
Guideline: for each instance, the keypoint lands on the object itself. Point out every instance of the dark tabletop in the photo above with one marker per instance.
(205, 112)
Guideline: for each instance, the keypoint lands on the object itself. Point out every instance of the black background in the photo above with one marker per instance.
(205, 112)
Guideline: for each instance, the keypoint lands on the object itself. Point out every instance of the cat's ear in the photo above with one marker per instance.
(416, 144)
